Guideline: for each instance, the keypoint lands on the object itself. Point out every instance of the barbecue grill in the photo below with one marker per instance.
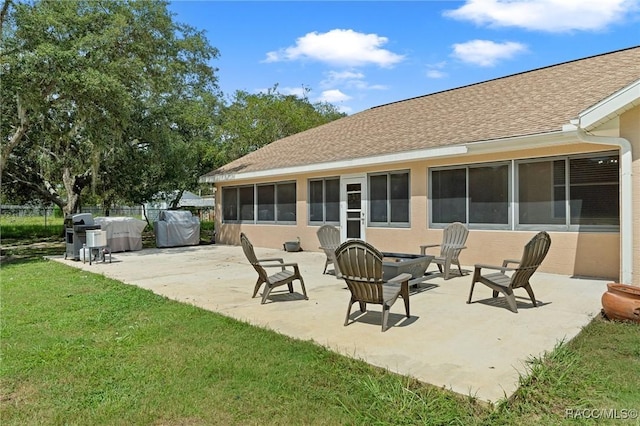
(76, 227)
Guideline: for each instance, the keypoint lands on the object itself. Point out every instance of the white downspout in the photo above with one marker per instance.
(626, 192)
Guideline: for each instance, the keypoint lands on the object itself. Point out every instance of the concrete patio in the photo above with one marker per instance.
(478, 349)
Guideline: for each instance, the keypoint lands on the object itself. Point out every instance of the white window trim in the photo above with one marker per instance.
(388, 223)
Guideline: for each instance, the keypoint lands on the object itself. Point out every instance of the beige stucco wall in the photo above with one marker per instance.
(630, 130)
(595, 254)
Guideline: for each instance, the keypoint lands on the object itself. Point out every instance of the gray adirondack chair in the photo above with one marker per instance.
(534, 253)
(361, 266)
(454, 238)
(329, 237)
(282, 277)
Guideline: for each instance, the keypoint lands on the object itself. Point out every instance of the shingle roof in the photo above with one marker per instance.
(533, 102)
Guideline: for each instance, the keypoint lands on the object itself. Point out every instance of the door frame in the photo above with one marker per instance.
(360, 178)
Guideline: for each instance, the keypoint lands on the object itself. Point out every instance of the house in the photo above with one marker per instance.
(555, 149)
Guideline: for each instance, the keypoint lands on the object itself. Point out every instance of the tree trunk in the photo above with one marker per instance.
(74, 186)
(173, 205)
(21, 130)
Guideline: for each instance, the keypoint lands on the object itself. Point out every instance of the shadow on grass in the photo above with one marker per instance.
(25, 249)
(29, 250)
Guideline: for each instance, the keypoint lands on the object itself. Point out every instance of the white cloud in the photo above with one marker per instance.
(435, 70)
(332, 96)
(546, 15)
(436, 73)
(376, 87)
(297, 91)
(344, 75)
(343, 78)
(349, 79)
(485, 52)
(339, 47)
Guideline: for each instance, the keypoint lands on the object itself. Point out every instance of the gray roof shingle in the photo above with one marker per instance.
(532, 102)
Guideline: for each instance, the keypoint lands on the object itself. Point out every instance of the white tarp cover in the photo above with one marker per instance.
(123, 233)
(177, 228)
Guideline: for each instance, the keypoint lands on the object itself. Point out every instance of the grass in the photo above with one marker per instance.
(79, 348)
(30, 227)
(591, 375)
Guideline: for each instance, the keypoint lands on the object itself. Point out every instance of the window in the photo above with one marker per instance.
(286, 202)
(449, 196)
(260, 203)
(229, 204)
(266, 203)
(561, 193)
(570, 192)
(594, 188)
(324, 201)
(246, 195)
(389, 199)
(476, 194)
(489, 194)
(541, 193)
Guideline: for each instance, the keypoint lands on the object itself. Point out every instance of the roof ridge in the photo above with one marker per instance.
(507, 76)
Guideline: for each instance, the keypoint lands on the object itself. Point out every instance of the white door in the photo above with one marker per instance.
(353, 207)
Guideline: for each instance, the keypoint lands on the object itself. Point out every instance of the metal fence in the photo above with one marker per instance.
(205, 215)
(97, 211)
(51, 213)
(27, 211)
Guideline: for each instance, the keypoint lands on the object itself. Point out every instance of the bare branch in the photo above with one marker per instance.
(47, 190)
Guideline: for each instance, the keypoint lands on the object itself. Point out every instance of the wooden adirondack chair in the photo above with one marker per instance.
(284, 276)
(534, 253)
(453, 239)
(361, 266)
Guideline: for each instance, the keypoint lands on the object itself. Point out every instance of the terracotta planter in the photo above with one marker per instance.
(622, 302)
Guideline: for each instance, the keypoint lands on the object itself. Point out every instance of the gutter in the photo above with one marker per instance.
(626, 192)
(415, 155)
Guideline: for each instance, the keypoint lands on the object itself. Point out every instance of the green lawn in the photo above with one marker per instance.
(78, 348)
(30, 227)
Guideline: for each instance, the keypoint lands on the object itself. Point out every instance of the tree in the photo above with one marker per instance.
(251, 121)
(107, 95)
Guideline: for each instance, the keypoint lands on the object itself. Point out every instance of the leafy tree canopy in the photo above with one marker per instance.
(250, 121)
(114, 100)
(102, 94)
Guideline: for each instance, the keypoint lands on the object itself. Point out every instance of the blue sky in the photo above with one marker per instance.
(360, 54)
